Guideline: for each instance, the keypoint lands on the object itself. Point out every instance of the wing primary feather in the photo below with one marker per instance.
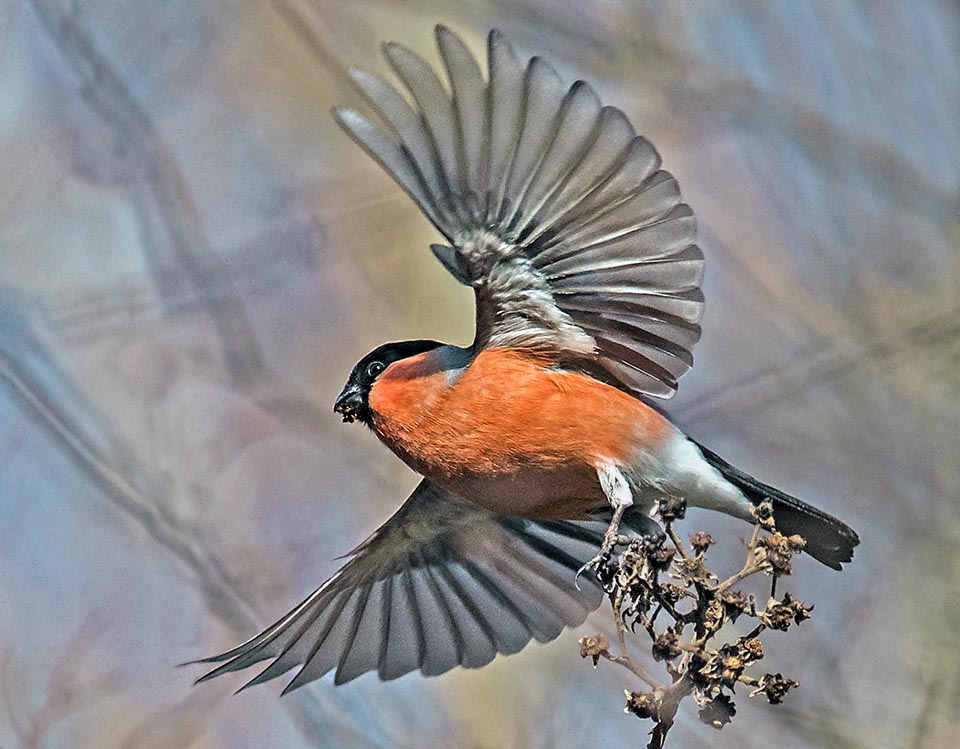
(458, 638)
(469, 605)
(505, 104)
(686, 305)
(569, 530)
(498, 595)
(308, 672)
(409, 127)
(281, 664)
(636, 360)
(395, 159)
(437, 112)
(641, 161)
(570, 604)
(404, 647)
(558, 555)
(385, 603)
(469, 98)
(666, 310)
(415, 609)
(655, 204)
(250, 652)
(360, 610)
(578, 125)
(641, 336)
(606, 154)
(545, 623)
(543, 100)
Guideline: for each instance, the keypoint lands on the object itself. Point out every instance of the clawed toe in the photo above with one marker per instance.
(611, 539)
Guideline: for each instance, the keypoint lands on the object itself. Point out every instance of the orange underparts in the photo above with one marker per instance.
(511, 433)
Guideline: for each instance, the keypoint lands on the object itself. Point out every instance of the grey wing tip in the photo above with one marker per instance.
(343, 114)
(544, 64)
(393, 50)
(497, 37)
(293, 685)
(357, 73)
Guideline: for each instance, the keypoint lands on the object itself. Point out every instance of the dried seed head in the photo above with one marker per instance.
(779, 614)
(670, 593)
(666, 646)
(701, 541)
(734, 604)
(713, 615)
(777, 550)
(641, 704)
(696, 666)
(692, 572)
(751, 650)
(718, 711)
(763, 512)
(593, 646)
(774, 687)
(671, 508)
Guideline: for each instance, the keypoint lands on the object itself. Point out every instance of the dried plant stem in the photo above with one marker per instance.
(635, 585)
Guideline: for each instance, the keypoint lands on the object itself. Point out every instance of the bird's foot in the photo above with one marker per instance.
(611, 539)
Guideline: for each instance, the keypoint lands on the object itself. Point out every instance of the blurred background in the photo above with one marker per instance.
(192, 257)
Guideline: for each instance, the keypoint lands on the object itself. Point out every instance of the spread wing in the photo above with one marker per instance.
(575, 240)
(442, 583)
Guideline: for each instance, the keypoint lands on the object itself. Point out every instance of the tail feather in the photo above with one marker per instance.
(829, 540)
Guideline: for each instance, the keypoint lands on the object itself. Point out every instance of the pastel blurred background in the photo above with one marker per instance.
(192, 257)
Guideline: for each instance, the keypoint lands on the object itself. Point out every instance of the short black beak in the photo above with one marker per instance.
(349, 403)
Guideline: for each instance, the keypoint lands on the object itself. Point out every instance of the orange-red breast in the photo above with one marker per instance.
(587, 281)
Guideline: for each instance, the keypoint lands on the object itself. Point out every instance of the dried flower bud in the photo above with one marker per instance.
(779, 550)
(763, 512)
(778, 615)
(671, 508)
(734, 604)
(655, 550)
(697, 668)
(593, 646)
(641, 704)
(701, 541)
(731, 665)
(774, 687)
(751, 650)
(800, 612)
(718, 711)
(666, 646)
(670, 593)
(713, 615)
(692, 571)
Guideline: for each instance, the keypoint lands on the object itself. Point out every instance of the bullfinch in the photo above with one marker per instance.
(539, 444)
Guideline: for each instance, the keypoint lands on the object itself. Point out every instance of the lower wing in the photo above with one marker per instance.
(442, 583)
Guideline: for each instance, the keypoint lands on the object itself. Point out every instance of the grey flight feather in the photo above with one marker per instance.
(577, 243)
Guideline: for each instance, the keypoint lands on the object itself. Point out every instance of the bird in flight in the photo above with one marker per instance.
(539, 442)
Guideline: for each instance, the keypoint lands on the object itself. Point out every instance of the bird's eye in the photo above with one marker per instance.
(374, 368)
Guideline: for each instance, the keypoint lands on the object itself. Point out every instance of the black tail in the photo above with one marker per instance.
(828, 540)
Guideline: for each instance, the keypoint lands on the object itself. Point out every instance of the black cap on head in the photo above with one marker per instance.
(352, 401)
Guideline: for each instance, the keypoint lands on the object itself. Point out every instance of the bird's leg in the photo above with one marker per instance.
(617, 490)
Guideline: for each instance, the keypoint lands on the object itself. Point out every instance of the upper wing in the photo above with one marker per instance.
(442, 583)
(558, 214)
